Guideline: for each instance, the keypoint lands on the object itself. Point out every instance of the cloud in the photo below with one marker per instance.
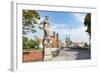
(76, 34)
(80, 17)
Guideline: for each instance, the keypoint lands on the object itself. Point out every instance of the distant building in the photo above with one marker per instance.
(54, 41)
(80, 44)
(67, 41)
(64, 44)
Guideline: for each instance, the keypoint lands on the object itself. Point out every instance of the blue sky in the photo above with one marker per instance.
(65, 18)
(64, 23)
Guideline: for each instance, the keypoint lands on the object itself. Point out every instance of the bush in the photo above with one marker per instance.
(55, 53)
(30, 44)
(26, 44)
(34, 44)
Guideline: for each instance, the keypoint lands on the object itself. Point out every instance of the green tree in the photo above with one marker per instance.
(30, 44)
(86, 45)
(87, 23)
(29, 18)
(34, 44)
(26, 43)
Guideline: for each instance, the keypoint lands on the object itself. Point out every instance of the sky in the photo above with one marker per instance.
(64, 23)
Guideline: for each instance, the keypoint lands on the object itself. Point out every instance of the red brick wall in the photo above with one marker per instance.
(32, 56)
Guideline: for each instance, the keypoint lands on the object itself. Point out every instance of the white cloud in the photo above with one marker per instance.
(80, 17)
(79, 34)
(76, 34)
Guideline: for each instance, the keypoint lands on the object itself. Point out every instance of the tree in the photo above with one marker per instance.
(87, 23)
(86, 45)
(34, 44)
(26, 43)
(30, 44)
(29, 18)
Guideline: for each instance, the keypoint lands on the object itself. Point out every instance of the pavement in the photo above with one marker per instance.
(72, 54)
